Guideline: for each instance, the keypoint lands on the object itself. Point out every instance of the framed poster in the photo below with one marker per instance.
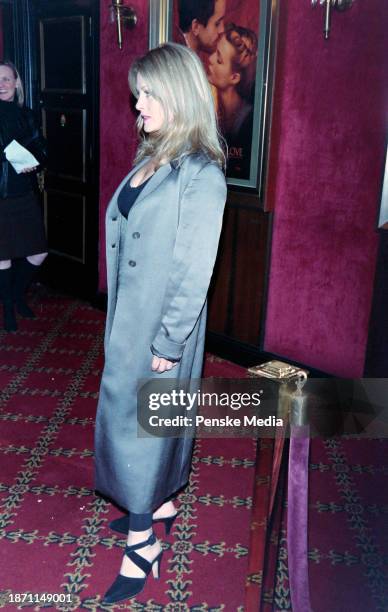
(232, 39)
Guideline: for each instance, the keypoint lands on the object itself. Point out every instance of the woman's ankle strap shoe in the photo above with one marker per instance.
(168, 522)
(125, 587)
(151, 540)
(121, 525)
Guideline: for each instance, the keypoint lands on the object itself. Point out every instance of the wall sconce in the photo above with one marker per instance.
(340, 5)
(122, 15)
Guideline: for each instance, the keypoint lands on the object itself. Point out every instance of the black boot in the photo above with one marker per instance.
(7, 299)
(24, 272)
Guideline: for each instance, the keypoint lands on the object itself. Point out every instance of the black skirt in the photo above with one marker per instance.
(21, 227)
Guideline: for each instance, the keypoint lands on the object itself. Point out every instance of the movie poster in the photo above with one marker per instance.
(224, 34)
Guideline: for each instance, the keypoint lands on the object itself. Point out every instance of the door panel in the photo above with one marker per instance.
(65, 216)
(68, 131)
(68, 34)
(7, 43)
(62, 44)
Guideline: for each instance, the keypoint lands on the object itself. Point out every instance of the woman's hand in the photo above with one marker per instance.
(29, 169)
(159, 364)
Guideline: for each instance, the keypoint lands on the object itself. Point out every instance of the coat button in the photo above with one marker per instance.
(132, 263)
(135, 235)
(114, 218)
(113, 246)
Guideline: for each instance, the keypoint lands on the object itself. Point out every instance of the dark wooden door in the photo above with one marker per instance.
(68, 34)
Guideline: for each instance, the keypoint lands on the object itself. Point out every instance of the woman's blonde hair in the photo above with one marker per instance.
(176, 78)
(19, 85)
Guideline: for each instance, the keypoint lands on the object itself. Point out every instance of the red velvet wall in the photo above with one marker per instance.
(117, 135)
(327, 157)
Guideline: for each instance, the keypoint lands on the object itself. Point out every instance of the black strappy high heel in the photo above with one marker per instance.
(168, 522)
(121, 525)
(125, 587)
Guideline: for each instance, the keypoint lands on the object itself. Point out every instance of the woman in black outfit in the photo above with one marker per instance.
(23, 245)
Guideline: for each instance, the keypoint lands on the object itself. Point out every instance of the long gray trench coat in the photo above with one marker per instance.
(159, 265)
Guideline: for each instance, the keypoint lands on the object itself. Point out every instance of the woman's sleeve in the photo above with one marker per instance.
(200, 220)
(34, 141)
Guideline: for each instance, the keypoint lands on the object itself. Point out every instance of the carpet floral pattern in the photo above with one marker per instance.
(225, 553)
(347, 529)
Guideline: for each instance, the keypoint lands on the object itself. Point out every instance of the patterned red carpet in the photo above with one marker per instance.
(53, 530)
(348, 517)
(54, 537)
(347, 534)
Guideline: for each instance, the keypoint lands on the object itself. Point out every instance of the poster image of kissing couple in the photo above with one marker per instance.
(224, 34)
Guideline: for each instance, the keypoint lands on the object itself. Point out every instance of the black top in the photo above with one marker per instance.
(18, 123)
(128, 195)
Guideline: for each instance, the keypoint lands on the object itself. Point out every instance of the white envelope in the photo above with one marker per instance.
(19, 157)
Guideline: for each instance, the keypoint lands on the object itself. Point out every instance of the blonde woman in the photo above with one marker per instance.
(163, 227)
(23, 246)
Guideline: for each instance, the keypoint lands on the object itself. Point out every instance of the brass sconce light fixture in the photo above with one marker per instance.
(123, 16)
(340, 5)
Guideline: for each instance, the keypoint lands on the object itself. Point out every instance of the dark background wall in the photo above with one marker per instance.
(327, 153)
